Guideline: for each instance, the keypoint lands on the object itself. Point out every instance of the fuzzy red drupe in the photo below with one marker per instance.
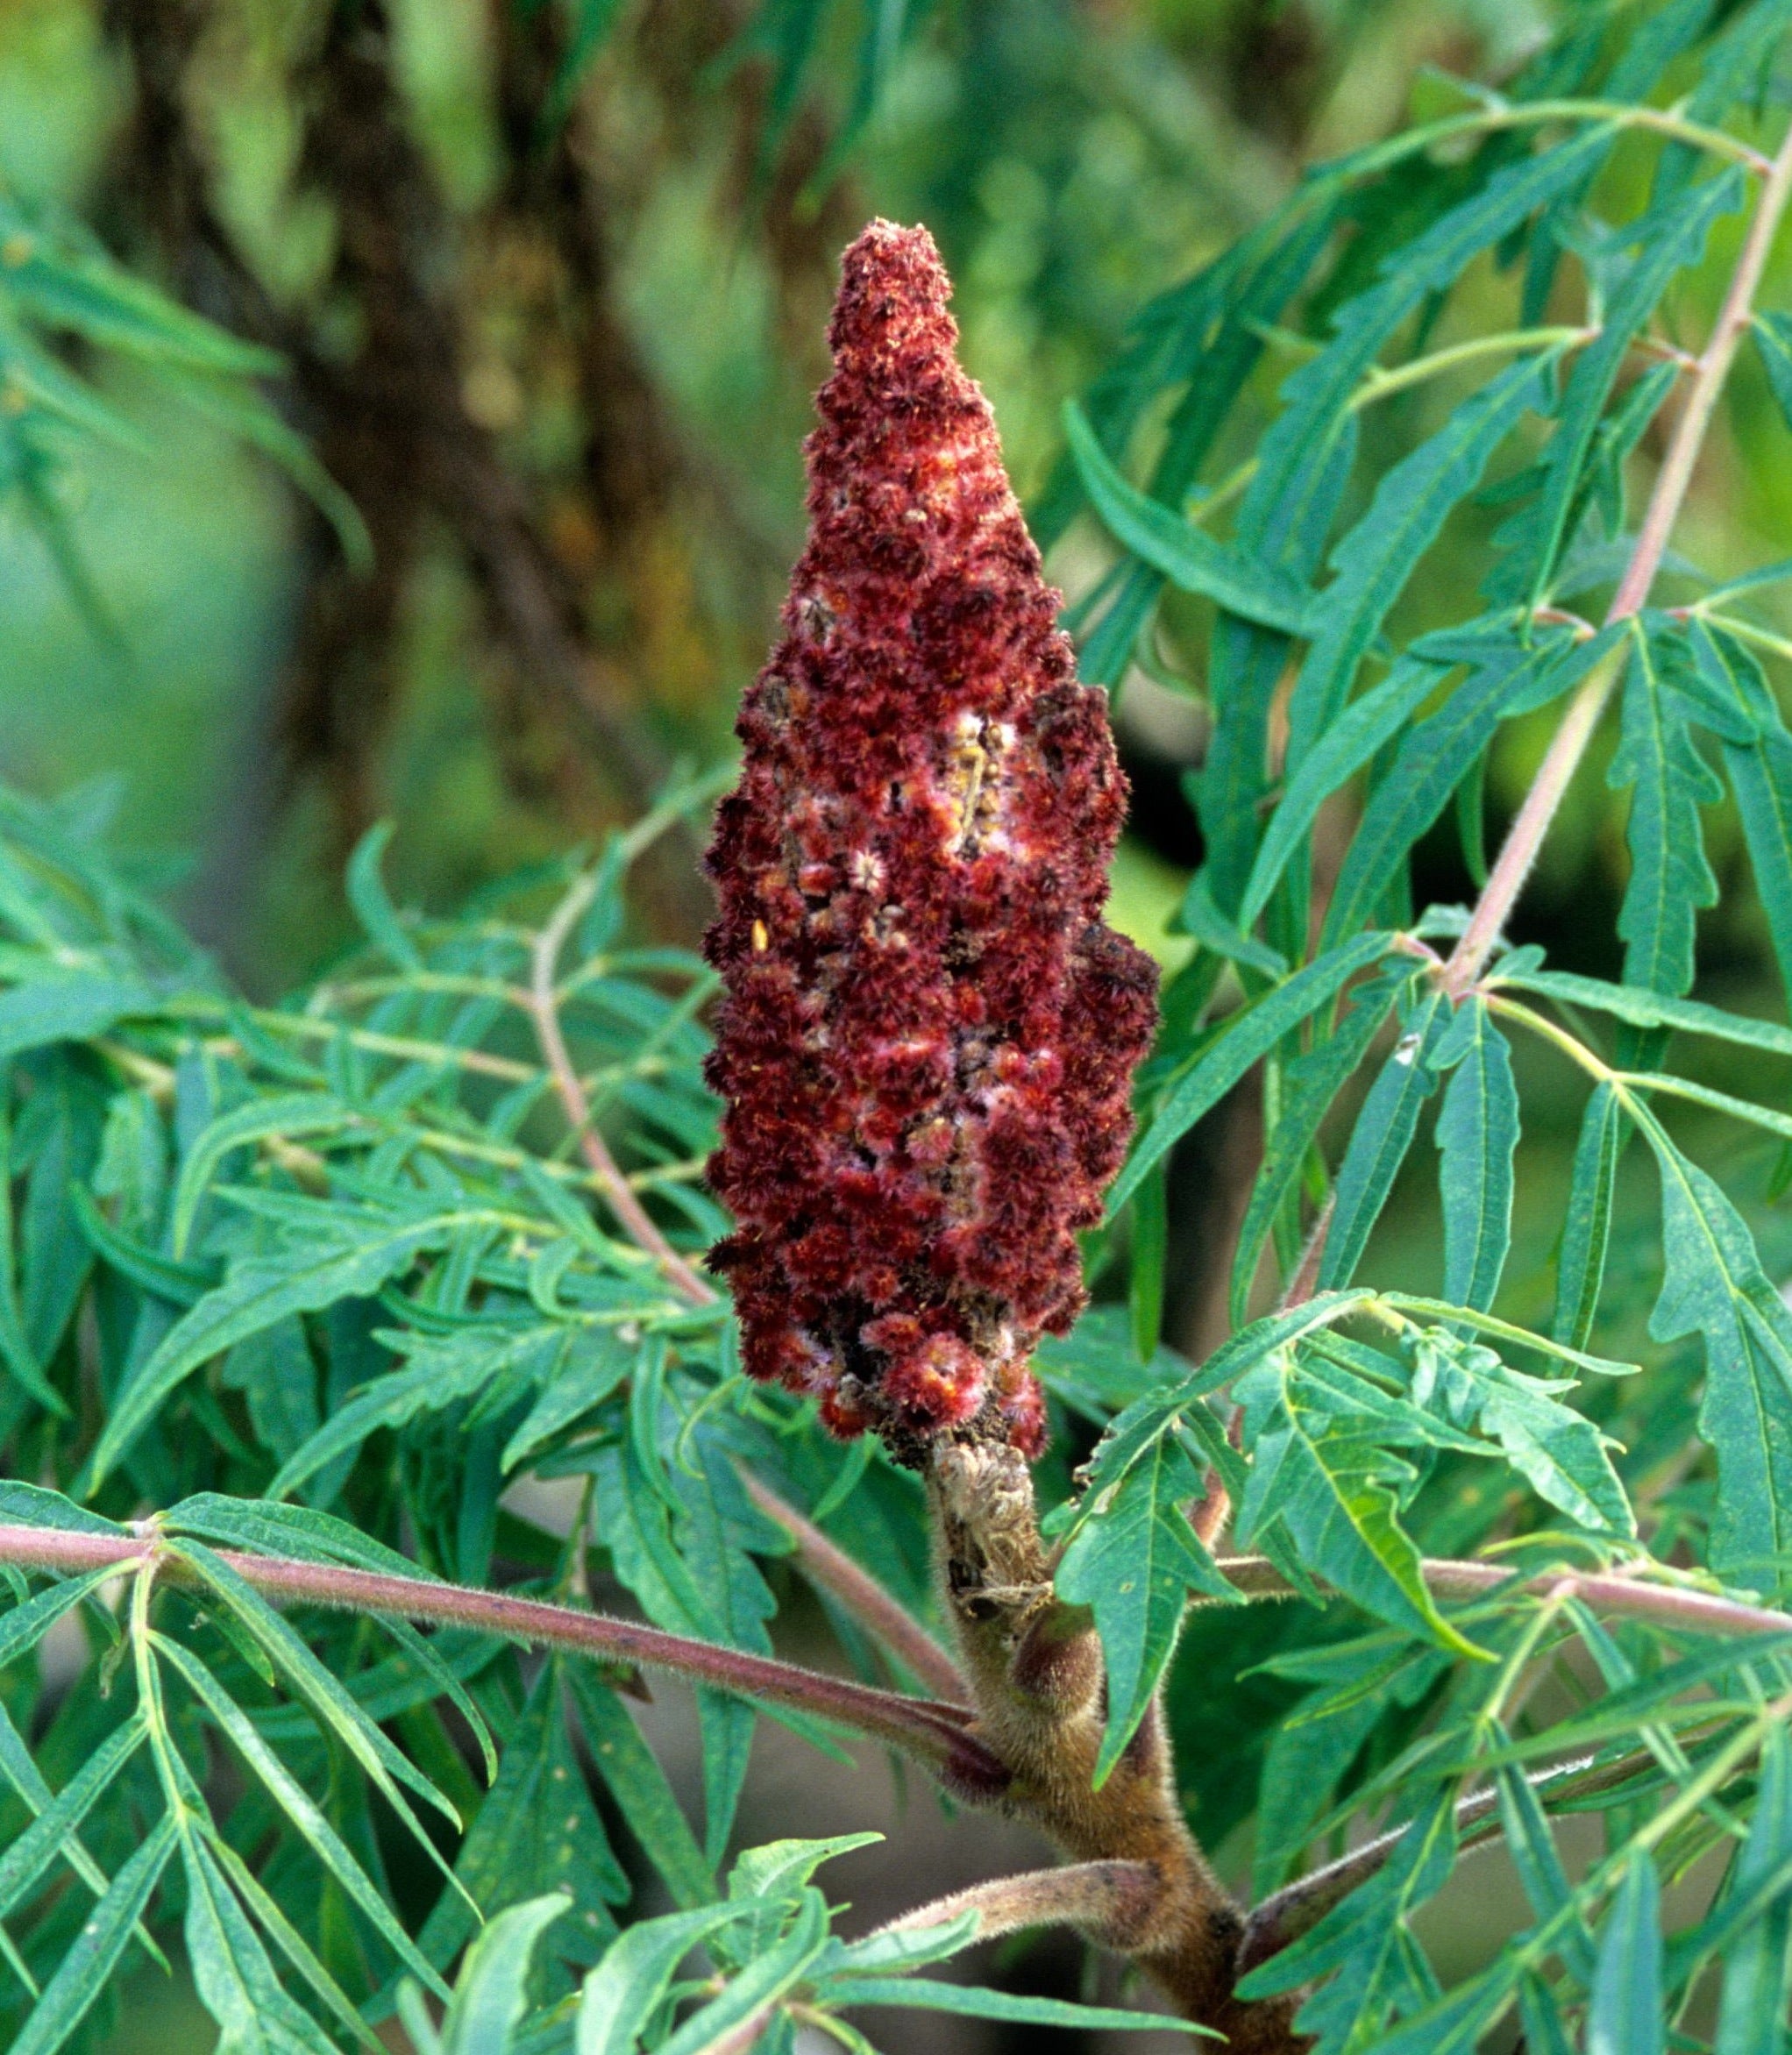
(928, 1034)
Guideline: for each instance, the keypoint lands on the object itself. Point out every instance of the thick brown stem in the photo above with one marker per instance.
(1036, 1677)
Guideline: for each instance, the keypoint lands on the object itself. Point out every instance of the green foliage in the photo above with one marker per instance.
(323, 1281)
(58, 289)
(1362, 1421)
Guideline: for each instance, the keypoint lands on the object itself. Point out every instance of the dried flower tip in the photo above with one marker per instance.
(928, 1035)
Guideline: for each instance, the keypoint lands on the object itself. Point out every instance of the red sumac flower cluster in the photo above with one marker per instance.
(928, 1033)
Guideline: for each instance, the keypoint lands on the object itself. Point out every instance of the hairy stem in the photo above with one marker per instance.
(1037, 1674)
(1108, 1901)
(1556, 772)
(1673, 1606)
(938, 1735)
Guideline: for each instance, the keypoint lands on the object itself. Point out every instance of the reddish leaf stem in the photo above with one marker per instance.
(544, 1009)
(1669, 1605)
(934, 1734)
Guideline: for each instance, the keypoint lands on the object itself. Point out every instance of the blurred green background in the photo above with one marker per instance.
(552, 282)
(639, 376)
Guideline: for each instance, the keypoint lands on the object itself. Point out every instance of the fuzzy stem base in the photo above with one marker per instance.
(1036, 1670)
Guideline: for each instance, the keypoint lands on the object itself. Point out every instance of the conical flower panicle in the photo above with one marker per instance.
(928, 1035)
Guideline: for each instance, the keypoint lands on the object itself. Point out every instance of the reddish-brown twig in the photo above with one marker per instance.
(936, 1734)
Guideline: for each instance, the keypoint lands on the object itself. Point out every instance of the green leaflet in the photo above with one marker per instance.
(1668, 241)
(16, 1350)
(1761, 777)
(19, 1769)
(1200, 916)
(1714, 1286)
(776, 1874)
(1758, 756)
(180, 1284)
(22, 1626)
(1134, 1433)
(231, 1971)
(1637, 1008)
(33, 1506)
(638, 1785)
(258, 1291)
(268, 1528)
(716, 1527)
(491, 1994)
(70, 284)
(439, 1374)
(1320, 1473)
(1145, 1281)
(1134, 1559)
(1249, 1035)
(82, 1972)
(1310, 1083)
(52, 1832)
(592, 1365)
(1586, 1227)
(1374, 560)
(59, 1132)
(1189, 558)
(1304, 465)
(1455, 2024)
(1244, 669)
(372, 904)
(1209, 331)
(247, 418)
(69, 1007)
(762, 1983)
(1773, 339)
(287, 1115)
(1624, 2016)
(1477, 1135)
(1670, 880)
(1754, 2003)
(1344, 748)
(297, 1805)
(623, 1992)
(43, 382)
(324, 1693)
(928, 1994)
(687, 1562)
(1559, 1451)
(1309, 1751)
(1541, 2020)
(536, 1830)
(1382, 1135)
(1096, 1370)
(1531, 1848)
(1299, 443)
(1506, 677)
